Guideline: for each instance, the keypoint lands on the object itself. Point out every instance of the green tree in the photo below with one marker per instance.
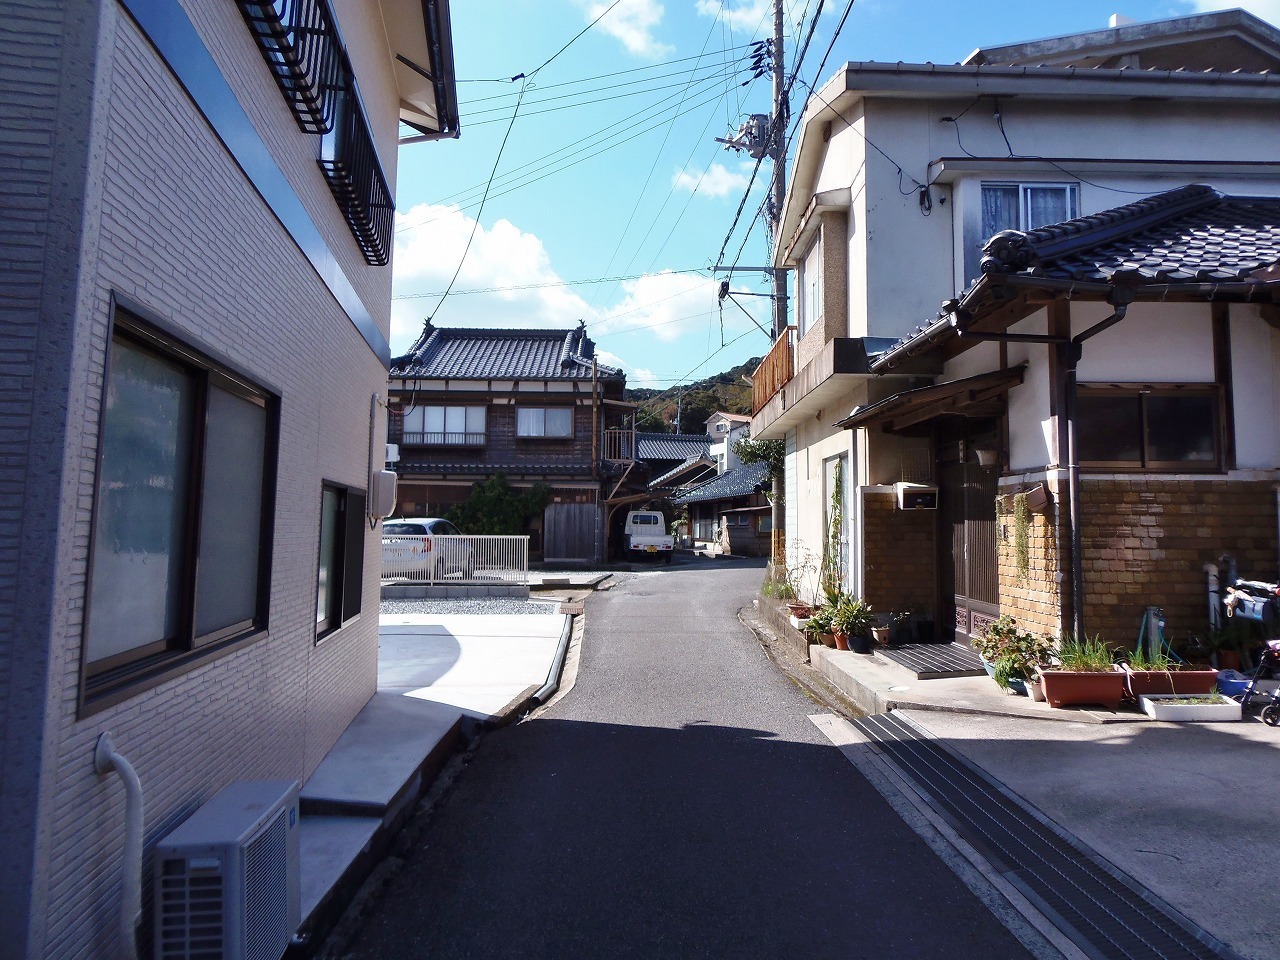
(772, 452)
(496, 509)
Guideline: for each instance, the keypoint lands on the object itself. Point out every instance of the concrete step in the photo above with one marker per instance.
(392, 748)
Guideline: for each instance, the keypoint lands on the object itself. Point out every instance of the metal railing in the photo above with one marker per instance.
(455, 560)
(775, 370)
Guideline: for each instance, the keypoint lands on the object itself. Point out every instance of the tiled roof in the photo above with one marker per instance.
(670, 446)
(483, 354)
(1192, 234)
(676, 471)
(738, 482)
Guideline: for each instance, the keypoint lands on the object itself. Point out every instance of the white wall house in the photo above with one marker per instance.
(901, 175)
(197, 227)
(723, 431)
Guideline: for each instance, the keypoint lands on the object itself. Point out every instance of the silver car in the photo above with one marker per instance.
(410, 548)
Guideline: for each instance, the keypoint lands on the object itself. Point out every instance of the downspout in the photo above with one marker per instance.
(105, 759)
(1071, 353)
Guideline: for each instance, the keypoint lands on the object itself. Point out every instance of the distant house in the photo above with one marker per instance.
(731, 514)
(663, 452)
(196, 229)
(534, 405)
(723, 430)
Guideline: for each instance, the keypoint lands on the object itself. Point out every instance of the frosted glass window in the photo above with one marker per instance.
(560, 422)
(455, 420)
(231, 515)
(475, 419)
(434, 419)
(139, 548)
(531, 422)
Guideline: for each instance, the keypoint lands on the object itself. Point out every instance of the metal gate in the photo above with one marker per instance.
(968, 492)
(570, 531)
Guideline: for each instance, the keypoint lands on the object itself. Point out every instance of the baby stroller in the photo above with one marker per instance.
(1259, 602)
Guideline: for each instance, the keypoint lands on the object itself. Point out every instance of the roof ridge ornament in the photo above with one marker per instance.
(1009, 251)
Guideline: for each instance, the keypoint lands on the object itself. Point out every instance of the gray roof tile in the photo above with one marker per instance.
(738, 482)
(670, 446)
(483, 354)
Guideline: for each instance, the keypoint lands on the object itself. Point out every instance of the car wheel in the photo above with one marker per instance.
(670, 557)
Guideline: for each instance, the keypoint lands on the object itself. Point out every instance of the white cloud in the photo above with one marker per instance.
(633, 22)
(429, 243)
(1268, 10)
(717, 181)
(636, 376)
(666, 306)
(749, 16)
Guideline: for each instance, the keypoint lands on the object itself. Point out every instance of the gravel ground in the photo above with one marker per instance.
(501, 605)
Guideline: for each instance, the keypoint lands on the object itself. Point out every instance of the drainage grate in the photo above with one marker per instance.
(935, 661)
(1102, 914)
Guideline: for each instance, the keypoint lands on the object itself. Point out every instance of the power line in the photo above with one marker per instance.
(602, 15)
(539, 286)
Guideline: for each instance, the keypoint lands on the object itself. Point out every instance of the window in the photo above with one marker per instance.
(544, 422)
(340, 576)
(180, 556)
(1025, 206)
(1154, 428)
(766, 522)
(808, 306)
(445, 426)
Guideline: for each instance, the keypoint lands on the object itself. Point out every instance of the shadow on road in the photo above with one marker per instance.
(578, 839)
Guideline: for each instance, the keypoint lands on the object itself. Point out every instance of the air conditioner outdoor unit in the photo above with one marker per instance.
(226, 879)
(916, 496)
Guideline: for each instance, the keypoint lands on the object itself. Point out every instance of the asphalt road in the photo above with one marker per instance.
(677, 803)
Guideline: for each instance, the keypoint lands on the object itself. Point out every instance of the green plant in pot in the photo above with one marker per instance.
(1164, 673)
(818, 626)
(1085, 674)
(852, 624)
(1012, 655)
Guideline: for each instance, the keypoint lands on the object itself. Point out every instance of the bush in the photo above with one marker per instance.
(1014, 653)
(496, 509)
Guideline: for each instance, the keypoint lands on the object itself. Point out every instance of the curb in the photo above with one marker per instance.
(533, 697)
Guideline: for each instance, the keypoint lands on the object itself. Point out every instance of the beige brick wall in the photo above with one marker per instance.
(176, 227)
(1032, 598)
(899, 554)
(1145, 541)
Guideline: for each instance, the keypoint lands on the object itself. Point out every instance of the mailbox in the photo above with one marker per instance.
(916, 496)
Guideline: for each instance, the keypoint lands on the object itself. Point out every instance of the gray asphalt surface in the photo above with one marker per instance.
(677, 803)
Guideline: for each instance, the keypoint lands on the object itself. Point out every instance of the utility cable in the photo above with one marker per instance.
(538, 286)
(576, 36)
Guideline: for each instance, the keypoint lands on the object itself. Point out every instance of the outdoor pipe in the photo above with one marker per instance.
(105, 759)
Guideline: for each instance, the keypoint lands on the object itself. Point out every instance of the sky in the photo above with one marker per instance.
(587, 183)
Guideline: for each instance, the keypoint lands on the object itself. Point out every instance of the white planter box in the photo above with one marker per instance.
(1163, 706)
(797, 622)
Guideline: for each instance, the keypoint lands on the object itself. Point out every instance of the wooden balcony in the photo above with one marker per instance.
(619, 444)
(774, 371)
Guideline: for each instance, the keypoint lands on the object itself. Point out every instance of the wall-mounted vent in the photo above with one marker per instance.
(226, 880)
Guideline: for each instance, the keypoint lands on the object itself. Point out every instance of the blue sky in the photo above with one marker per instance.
(610, 168)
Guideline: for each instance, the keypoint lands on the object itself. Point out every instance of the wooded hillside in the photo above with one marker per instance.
(694, 401)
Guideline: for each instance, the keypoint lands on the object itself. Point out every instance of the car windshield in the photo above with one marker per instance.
(403, 530)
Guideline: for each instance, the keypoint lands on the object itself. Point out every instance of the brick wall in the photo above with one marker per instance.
(173, 225)
(1145, 540)
(1032, 597)
(900, 555)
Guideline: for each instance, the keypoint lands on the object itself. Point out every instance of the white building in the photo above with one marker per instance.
(197, 227)
(902, 173)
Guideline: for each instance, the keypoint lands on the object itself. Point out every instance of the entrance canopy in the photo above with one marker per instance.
(980, 396)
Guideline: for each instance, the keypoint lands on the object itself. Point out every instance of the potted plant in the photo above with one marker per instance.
(852, 624)
(1160, 673)
(1086, 673)
(1012, 655)
(1189, 707)
(818, 626)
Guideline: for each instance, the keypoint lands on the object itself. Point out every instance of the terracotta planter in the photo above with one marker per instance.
(842, 640)
(828, 639)
(1227, 660)
(1193, 682)
(801, 611)
(881, 636)
(1066, 688)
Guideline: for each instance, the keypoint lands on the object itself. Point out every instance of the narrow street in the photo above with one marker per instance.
(678, 802)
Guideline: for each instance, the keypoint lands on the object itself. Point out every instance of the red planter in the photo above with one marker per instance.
(1065, 688)
(842, 640)
(1192, 682)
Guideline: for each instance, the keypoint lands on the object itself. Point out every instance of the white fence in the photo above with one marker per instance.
(455, 560)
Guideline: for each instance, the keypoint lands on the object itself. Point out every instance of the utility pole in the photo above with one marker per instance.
(778, 150)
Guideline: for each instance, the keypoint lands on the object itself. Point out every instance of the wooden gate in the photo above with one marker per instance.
(970, 574)
(570, 532)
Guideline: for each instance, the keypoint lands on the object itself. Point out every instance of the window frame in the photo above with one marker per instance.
(124, 675)
(347, 593)
(1072, 190)
(1143, 391)
(572, 408)
(470, 438)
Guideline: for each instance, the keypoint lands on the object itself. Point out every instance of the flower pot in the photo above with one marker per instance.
(860, 642)
(1064, 688)
(1142, 682)
(801, 611)
(880, 635)
(1165, 706)
(1035, 690)
(842, 639)
(1228, 660)
(828, 639)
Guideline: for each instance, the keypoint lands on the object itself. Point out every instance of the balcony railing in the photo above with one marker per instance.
(434, 439)
(455, 560)
(619, 444)
(300, 45)
(775, 370)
